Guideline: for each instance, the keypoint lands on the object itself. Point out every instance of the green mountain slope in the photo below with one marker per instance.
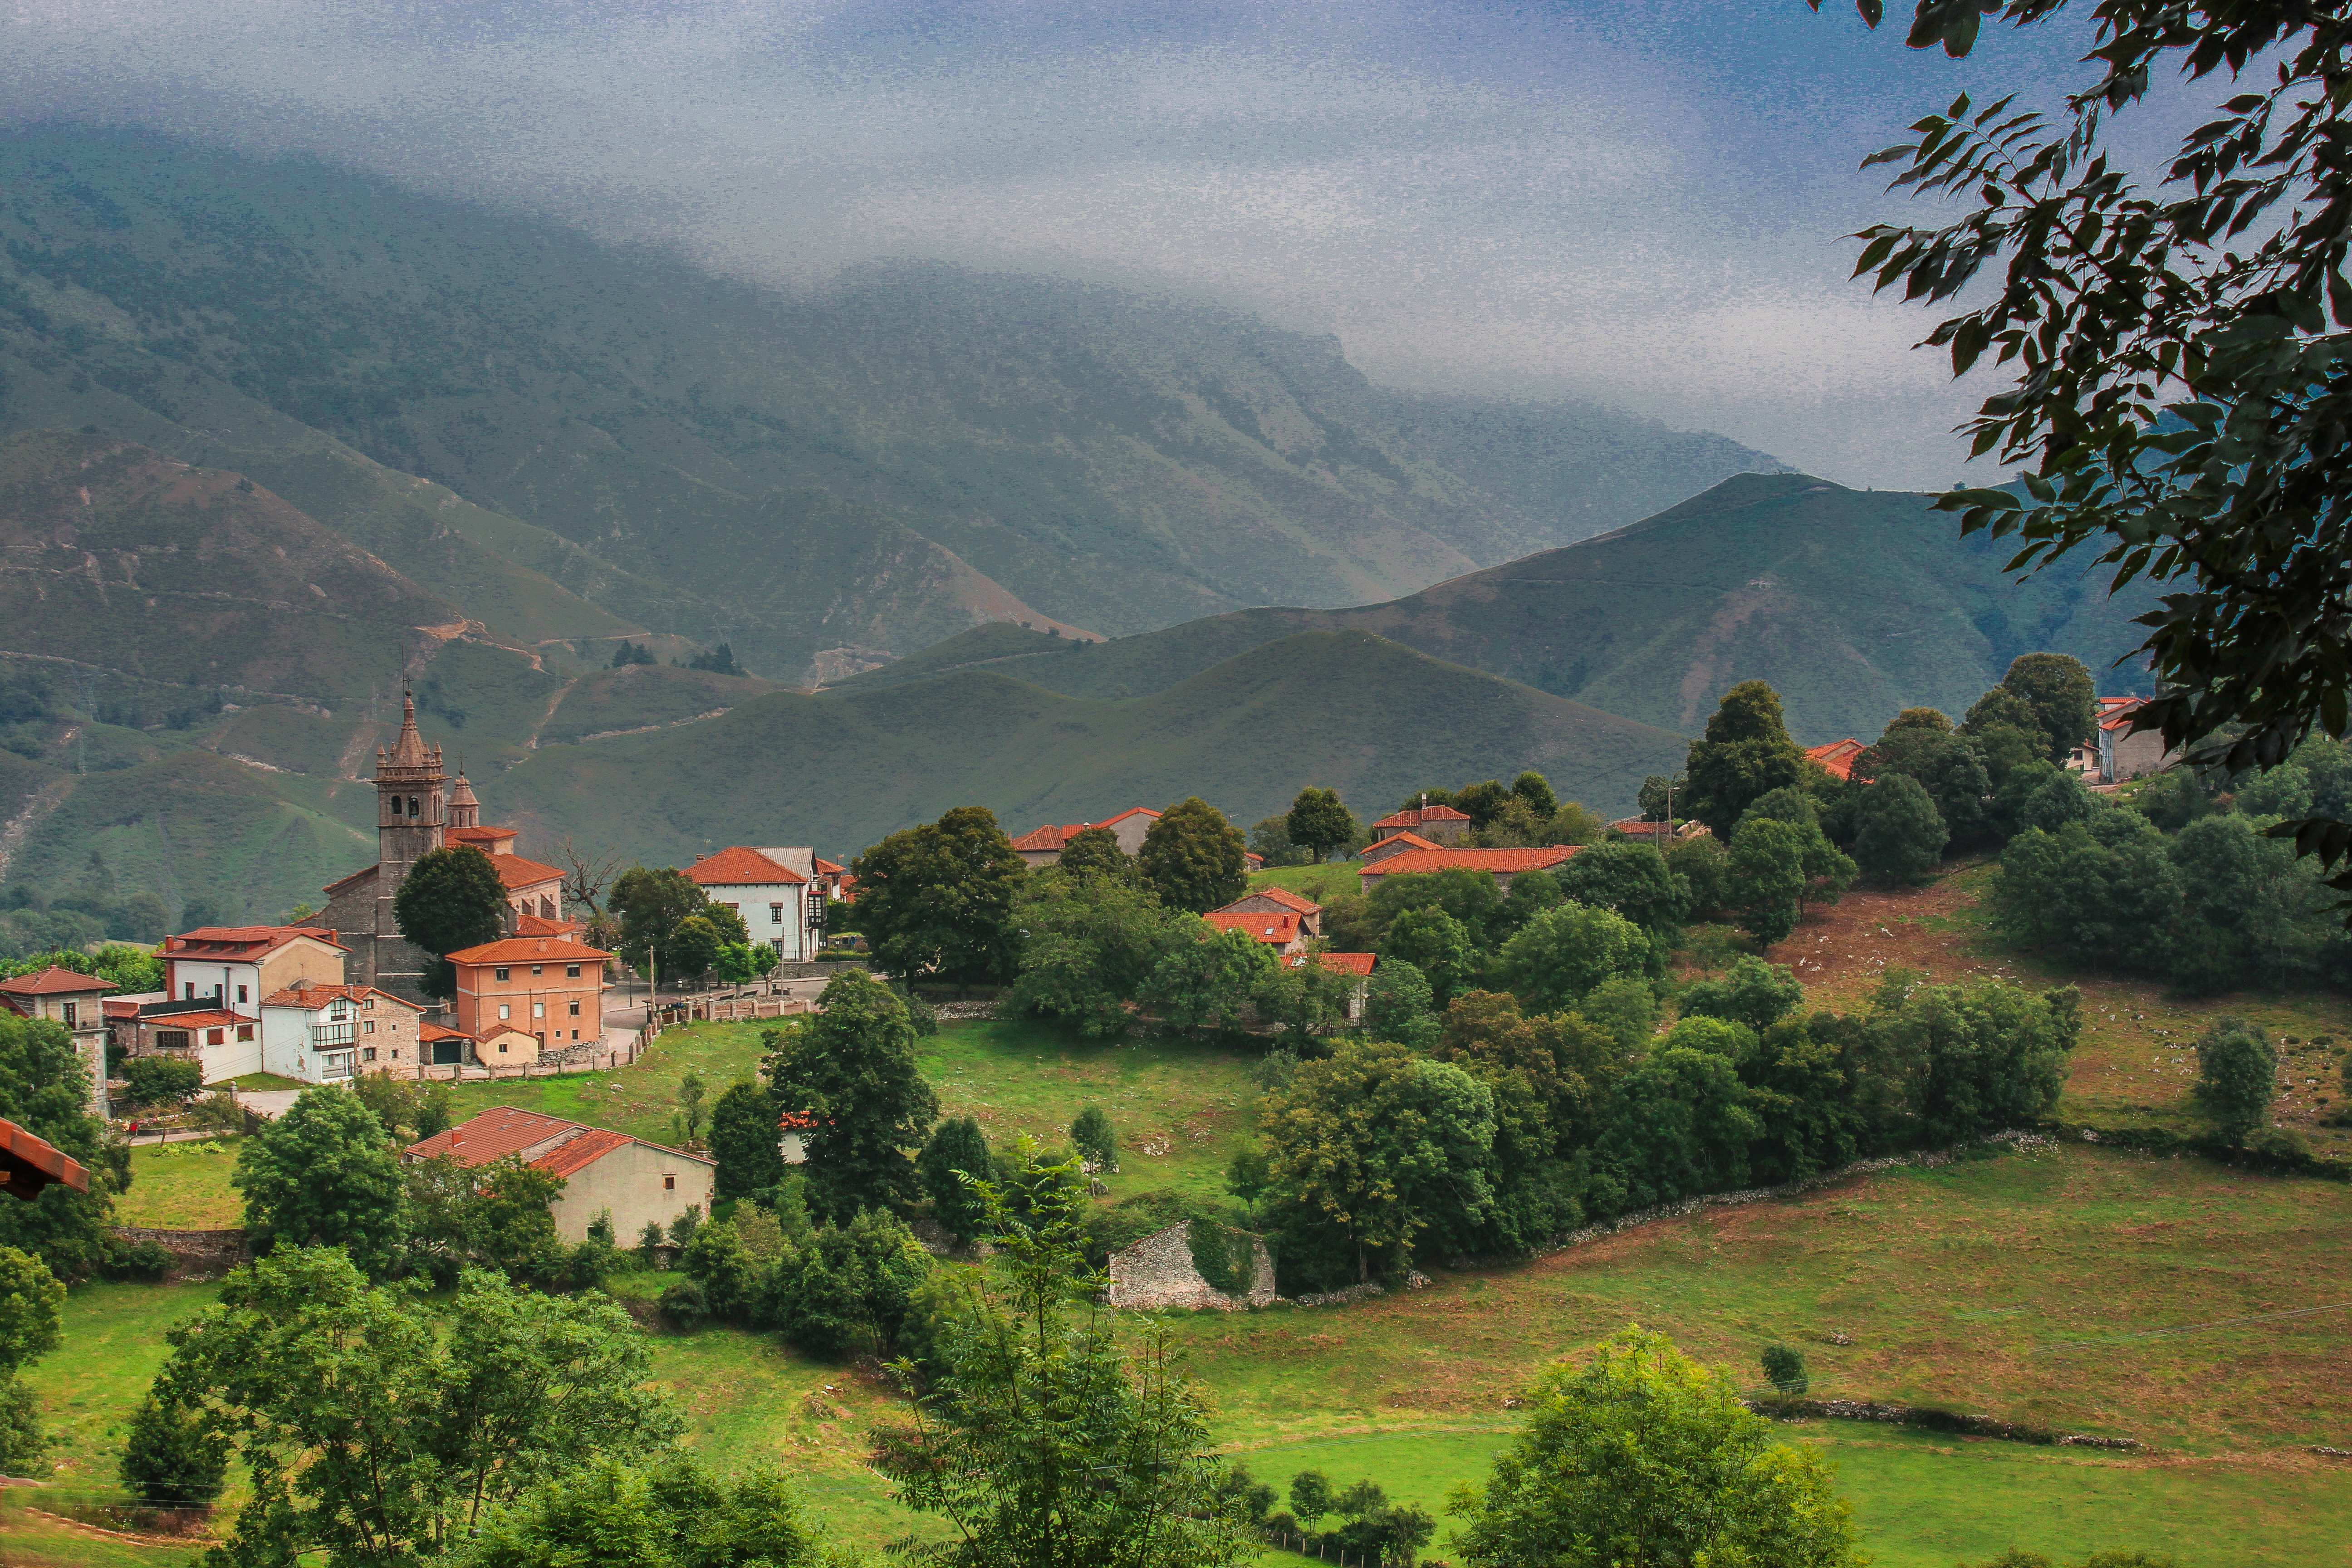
(1853, 603)
(862, 471)
(1346, 710)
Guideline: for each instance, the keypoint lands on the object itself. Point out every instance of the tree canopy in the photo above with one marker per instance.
(1192, 856)
(1746, 752)
(1317, 821)
(324, 1174)
(938, 899)
(851, 1068)
(451, 900)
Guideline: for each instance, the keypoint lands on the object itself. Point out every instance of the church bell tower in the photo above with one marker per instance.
(411, 816)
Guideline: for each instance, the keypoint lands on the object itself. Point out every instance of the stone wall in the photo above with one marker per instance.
(196, 1254)
(1156, 1272)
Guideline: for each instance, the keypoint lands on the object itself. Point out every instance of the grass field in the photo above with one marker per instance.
(1331, 879)
(182, 1186)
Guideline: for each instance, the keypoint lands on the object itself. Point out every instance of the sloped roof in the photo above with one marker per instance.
(34, 1163)
(317, 995)
(242, 942)
(1409, 840)
(540, 925)
(549, 1144)
(426, 1030)
(1837, 756)
(54, 981)
(1421, 813)
(208, 1018)
(1505, 861)
(578, 1152)
(514, 871)
(1278, 930)
(1358, 963)
(828, 867)
(1051, 836)
(1285, 898)
(2115, 712)
(480, 838)
(741, 867)
(529, 950)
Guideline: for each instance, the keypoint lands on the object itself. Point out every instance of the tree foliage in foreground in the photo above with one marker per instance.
(2177, 352)
(674, 1515)
(322, 1174)
(1643, 1455)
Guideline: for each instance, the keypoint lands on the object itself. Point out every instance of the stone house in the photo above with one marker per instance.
(2124, 754)
(1500, 864)
(1277, 902)
(1158, 1272)
(77, 1002)
(1281, 929)
(549, 987)
(332, 1033)
(1395, 844)
(1441, 824)
(1043, 845)
(635, 1182)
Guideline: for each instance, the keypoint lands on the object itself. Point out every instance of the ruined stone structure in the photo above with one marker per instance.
(1158, 1272)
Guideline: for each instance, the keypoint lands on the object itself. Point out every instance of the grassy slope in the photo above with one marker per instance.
(1345, 710)
(1852, 604)
(644, 696)
(183, 1186)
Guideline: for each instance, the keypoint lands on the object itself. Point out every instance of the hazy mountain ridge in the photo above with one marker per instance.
(875, 466)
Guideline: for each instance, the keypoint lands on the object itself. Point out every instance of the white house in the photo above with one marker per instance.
(769, 888)
(330, 1034)
(233, 967)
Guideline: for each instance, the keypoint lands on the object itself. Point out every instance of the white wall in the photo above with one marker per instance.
(789, 937)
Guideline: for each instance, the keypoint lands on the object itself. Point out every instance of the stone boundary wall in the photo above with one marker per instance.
(1934, 1420)
(195, 1251)
(1156, 1273)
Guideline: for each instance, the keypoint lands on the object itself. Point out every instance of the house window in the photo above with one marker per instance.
(503, 974)
(192, 992)
(369, 1002)
(539, 1009)
(171, 1039)
(67, 1009)
(240, 994)
(575, 1009)
(368, 1027)
(505, 1011)
(502, 1047)
(215, 1036)
(575, 1034)
(368, 1055)
(538, 969)
(571, 971)
(775, 914)
(669, 1184)
(245, 1031)
(395, 1053)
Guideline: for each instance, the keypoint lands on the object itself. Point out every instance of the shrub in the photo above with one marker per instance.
(163, 1080)
(170, 1457)
(1784, 1369)
(684, 1305)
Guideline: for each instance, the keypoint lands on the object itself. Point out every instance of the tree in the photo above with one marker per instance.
(171, 1457)
(938, 899)
(1662, 792)
(957, 1149)
(1312, 1496)
(1089, 947)
(2002, 708)
(1270, 842)
(1644, 1455)
(690, 1104)
(1093, 1136)
(1901, 834)
(1191, 858)
(2177, 389)
(162, 1081)
(744, 1137)
(676, 1515)
(1382, 1144)
(2059, 691)
(1470, 896)
(1745, 753)
(651, 904)
(1439, 946)
(1784, 1369)
(1400, 1006)
(852, 1069)
(323, 1175)
(1318, 822)
(1095, 852)
(1754, 993)
(1536, 790)
(1764, 881)
(1828, 872)
(1207, 980)
(451, 900)
(2237, 1077)
(1565, 953)
(1634, 880)
(694, 946)
(1044, 1442)
(44, 1089)
(379, 1426)
(31, 1302)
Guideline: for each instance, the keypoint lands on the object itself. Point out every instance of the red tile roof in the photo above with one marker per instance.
(1409, 840)
(540, 925)
(1419, 814)
(549, 1143)
(34, 1163)
(54, 981)
(795, 1120)
(208, 1019)
(1053, 837)
(2115, 712)
(1339, 962)
(481, 837)
(515, 871)
(1278, 930)
(742, 868)
(1505, 861)
(242, 941)
(1837, 756)
(847, 886)
(827, 867)
(527, 950)
(1283, 896)
(426, 1030)
(1254, 861)
(300, 995)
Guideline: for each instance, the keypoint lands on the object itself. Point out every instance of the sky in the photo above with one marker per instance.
(1637, 202)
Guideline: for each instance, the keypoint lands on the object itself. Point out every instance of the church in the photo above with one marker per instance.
(418, 812)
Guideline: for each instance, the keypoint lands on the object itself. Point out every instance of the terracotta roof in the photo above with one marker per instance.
(426, 1030)
(2117, 711)
(1837, 756)
(549, 1144)
(1338, 963)
(1421, 813)
(828, 867)
(479, 836)
(540, 925)
(209, 1018)
(1254, 861)
(1051, 837)
(1409, 840)
(1283, 896)
(1278, 930)
(315, 995)
(516, 872)
(41, 1162)
(742, 868)
(241, 941)
(795, 1120)
(1505, 861)
(847, 886)
(54, 981)
(527, 950)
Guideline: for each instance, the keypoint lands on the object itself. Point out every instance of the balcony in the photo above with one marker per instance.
(327, 1036)
(339, 1065)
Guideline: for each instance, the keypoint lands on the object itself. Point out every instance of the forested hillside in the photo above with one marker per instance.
(1852, 603)
(521, 419)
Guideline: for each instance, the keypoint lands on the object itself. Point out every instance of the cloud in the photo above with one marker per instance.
(1638, 203)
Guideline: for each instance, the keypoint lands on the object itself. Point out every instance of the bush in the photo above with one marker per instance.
(685, 1306)
(162, 1081)
(1784, 1369)
(170, 1456)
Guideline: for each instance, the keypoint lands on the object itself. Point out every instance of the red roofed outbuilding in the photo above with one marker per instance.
(1043, 845)
(1837, 757)
(1396, 844)
(1273, 900)
(636, 1182)
(1279, 930)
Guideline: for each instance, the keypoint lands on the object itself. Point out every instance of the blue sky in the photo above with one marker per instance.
(1642, 203)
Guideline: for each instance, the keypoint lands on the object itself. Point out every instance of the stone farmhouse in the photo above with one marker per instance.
(1437, 824)
(416, 813)
(1396, 844)
(327, 1033)
(78, 1002)
(603, 1171)
(1500, 864)
(779, 892)
(1044, 847)
(2124, 753)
